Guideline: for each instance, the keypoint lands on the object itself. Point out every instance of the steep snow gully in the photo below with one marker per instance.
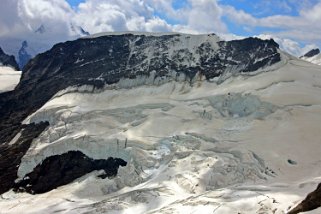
(180, 124)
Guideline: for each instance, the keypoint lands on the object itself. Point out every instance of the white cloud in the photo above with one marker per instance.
(204, 16)
(112, 15)
(196, 16)
(289, 45)
(157, 25)
(139, 15)
(20, 18)
(305, 27)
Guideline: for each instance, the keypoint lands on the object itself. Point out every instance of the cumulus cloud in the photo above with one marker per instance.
(24, 16)
(305, 27)
(19, 19)
(113, 15)
(143, 15)
(195, 16)
(289, 45)
(203, 16)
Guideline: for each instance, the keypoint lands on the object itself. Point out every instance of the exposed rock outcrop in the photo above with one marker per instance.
(11, 154)
(311, 202)
(59, 170)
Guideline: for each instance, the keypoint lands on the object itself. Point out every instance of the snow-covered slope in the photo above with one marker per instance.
(9, 78)
(247, 145)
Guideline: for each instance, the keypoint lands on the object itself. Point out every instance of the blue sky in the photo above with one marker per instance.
(75, 3)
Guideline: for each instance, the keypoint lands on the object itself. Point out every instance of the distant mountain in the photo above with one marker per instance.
(8, 60)
(313, 56)
(38, 40)
(78, 30)
(41, 29)
(24, 56)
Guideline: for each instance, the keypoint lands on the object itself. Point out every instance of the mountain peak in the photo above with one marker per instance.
(24, 56)
(41, 29)
(78, 30)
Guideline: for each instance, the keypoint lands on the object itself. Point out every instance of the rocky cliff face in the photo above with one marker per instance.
(107, 59)
(8, 60)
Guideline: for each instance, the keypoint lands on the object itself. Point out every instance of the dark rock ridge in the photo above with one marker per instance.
(59, 170)
(312, 53)
(24, 56)
(8, 60)
(10, 155)
(107, 59)
(311, 202)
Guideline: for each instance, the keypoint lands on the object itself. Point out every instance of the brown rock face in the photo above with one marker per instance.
(311, 202)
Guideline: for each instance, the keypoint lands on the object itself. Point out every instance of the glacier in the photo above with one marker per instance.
(191, 146)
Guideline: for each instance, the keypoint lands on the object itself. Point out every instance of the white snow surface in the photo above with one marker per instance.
(9, 78)
(315, 59)
(200, 148)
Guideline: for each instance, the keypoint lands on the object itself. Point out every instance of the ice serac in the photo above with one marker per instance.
(7, 60)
